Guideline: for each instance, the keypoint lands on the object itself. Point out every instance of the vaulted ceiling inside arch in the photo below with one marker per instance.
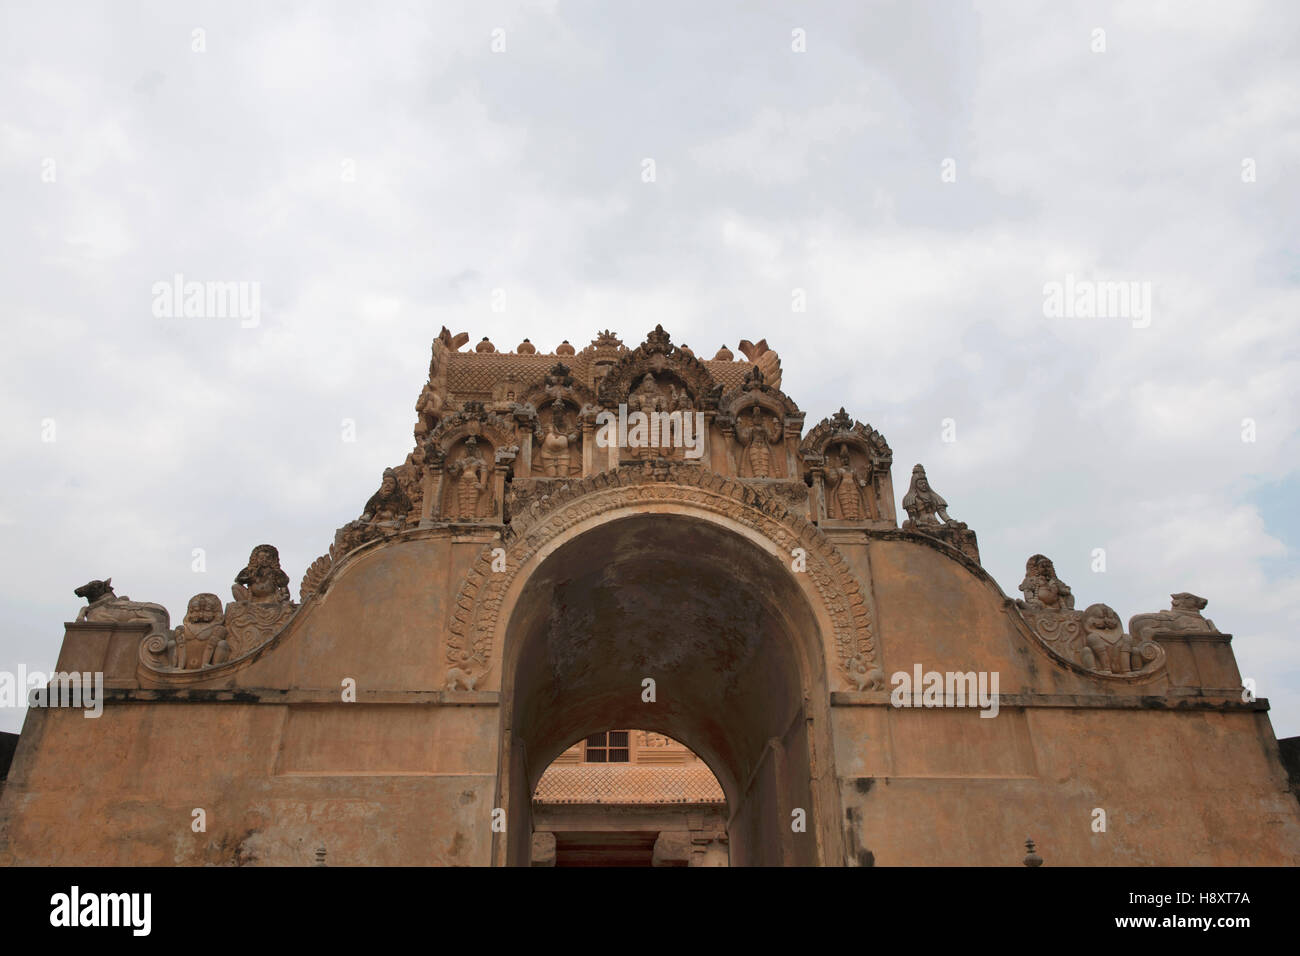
(706, 614)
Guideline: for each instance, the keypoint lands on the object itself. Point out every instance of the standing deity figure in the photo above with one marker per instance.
(471, 474)
(924, 506)
(201, 638)
(1042, 589)
(758, 435)
(554, 443)
(646, 397)
(847, 486)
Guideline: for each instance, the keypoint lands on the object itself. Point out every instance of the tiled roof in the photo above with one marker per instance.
(628, 783)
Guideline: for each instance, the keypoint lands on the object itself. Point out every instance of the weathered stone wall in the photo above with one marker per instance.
(407, 774)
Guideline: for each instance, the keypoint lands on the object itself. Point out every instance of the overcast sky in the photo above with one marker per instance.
(379, 170)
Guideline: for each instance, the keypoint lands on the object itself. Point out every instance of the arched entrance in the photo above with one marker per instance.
(711, 612)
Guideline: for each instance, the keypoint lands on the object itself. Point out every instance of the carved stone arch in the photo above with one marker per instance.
(842, 428)
(871, 461)
(756, 393)
(839, 599)
(483, 425)
(542, 393)
(657, 356)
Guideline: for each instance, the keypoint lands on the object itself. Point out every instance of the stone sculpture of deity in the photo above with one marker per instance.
(555, 443)
(848, 489)
(758, 436)
(470, 474)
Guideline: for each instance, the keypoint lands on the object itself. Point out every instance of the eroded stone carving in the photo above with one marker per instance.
(558, 443)
(105, 607)
(657, 373)
(469, 497)
(262, 605)
(1183, 617)
(1042, 588)
(859, 489)
(200, 641)
(848, 488)
(768, 362)
(1093, 638)
(760, 439)
(927, 513)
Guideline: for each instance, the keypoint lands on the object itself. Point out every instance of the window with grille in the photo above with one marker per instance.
(609, 747)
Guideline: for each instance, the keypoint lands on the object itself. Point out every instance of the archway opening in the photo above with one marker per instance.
(683, 627)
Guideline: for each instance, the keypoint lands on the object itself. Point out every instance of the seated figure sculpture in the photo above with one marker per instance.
(262, 605)
(927, 513)
(200, 641)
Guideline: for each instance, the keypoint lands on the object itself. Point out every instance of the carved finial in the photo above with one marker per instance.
(1031, 857)
(564, 348)
(658, 340)
(724, 355)
(842, 420)
(753, 379)
(559, 375)
(526, 348)
(485, 346)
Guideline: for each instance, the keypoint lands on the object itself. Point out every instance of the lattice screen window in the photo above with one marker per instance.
(609, 747)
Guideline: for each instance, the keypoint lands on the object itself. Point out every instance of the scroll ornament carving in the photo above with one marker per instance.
(1091, 639)
(927, 513)
(478, 605)
(209, 637)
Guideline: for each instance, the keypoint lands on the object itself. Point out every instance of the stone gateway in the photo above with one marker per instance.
(516, 586)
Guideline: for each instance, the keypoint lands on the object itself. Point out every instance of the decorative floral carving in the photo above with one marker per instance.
(475, 617)
(314, 577)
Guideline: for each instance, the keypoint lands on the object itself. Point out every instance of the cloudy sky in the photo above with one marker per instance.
(920, 170)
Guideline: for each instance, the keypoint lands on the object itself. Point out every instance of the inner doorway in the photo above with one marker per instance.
(629, 798)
